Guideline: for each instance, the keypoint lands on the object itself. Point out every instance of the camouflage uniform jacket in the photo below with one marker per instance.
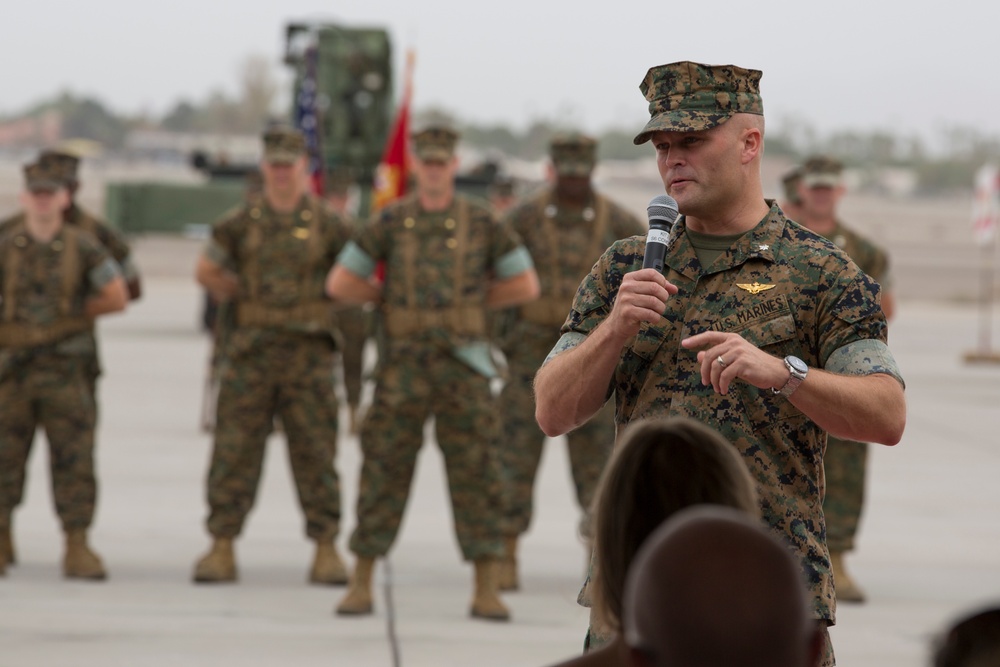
(872, 259)
(564, 244)
(438, 264)
(105, 234)
(281, 261)
(43, 287)
(789, 292)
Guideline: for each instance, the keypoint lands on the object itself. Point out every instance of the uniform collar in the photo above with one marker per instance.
(758, 243)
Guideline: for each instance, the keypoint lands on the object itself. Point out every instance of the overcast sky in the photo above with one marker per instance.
(905, 66)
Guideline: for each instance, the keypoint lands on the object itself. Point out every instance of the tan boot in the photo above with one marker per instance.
(485, 601)
(847, 589)
(80, 562)
(7, 545)
(218, 565)
(358, 601)
(507, 567)
(327, 567)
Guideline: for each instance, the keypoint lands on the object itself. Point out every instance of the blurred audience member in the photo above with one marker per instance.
(689, 600)
(660, 467)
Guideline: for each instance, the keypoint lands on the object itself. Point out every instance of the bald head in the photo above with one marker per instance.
(712, 587)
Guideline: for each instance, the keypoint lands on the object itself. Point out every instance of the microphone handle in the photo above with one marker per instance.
(656, 247)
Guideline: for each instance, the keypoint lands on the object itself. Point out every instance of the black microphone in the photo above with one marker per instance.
(662, 212)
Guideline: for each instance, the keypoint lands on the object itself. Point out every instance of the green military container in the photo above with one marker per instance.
(139, 207)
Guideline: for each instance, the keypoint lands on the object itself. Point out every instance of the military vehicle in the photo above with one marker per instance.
(343, 101)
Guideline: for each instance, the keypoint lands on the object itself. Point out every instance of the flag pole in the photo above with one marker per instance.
(985, 222)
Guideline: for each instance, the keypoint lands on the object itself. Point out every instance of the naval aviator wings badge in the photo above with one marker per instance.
(755, 287)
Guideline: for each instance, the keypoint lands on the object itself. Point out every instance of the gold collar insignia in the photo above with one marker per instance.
(755, 288)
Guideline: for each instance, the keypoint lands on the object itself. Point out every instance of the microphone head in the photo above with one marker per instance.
(662, 208)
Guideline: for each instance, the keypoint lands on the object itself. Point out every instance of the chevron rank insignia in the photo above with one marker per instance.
(755, 288)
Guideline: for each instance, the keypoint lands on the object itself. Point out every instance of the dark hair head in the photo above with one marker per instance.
(974, 641)
(660, 467)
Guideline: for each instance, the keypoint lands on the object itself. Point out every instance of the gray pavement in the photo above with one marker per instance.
(929, 549)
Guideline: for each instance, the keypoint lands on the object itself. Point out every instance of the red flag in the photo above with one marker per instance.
(390, 177)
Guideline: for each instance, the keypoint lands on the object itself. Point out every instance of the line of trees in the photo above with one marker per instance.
(961, 150)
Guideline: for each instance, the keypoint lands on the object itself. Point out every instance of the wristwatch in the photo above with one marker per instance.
(797, 371)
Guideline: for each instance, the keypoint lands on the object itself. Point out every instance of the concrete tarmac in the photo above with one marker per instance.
(929, 547)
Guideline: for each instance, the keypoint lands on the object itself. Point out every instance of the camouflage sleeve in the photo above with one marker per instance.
(880, 270)
(222, 246)
(356, 260)
(98, 264)
(338, 232)
(864, 357)
(102, 274)
(849, 313)
(515, 262)
(115, 242)
(596, 294)
(504, 240)
(372, 238)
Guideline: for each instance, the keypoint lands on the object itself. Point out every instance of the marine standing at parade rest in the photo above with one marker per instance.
(55, 280)
(445, 262)
(64, 167)
(566, 227)
(67, 166)
(269, 259)
(757, 327)
(845, 462)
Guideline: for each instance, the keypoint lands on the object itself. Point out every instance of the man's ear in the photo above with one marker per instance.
(753, 144)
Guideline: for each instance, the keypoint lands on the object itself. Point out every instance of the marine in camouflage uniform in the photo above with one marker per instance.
(54, 280)
(269, 259)
(446, 261)
(845, 462)
(64, 167)
(566, 227)
(739, 292)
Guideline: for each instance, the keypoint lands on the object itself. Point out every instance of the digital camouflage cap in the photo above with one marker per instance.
(42, 178)
(66, 165)
(822, 171)
(435, 143)
(790, 184)
(573, 154)
(283, 143)
(689, 97)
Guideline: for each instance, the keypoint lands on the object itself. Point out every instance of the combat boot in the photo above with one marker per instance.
(358, 601)
(7, 545)
(485, 601)
(80, 562)
(507, 566)
(327, 567)
(847, 589)
(218, 565)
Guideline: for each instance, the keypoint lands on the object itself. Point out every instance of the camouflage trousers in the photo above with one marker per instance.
(53, 392)
(353, 326)
(589, 446)
(414, 382)
(290, 377)
(845, 463)
(92, 371)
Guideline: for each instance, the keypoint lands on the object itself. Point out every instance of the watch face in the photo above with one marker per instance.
(796, 363)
